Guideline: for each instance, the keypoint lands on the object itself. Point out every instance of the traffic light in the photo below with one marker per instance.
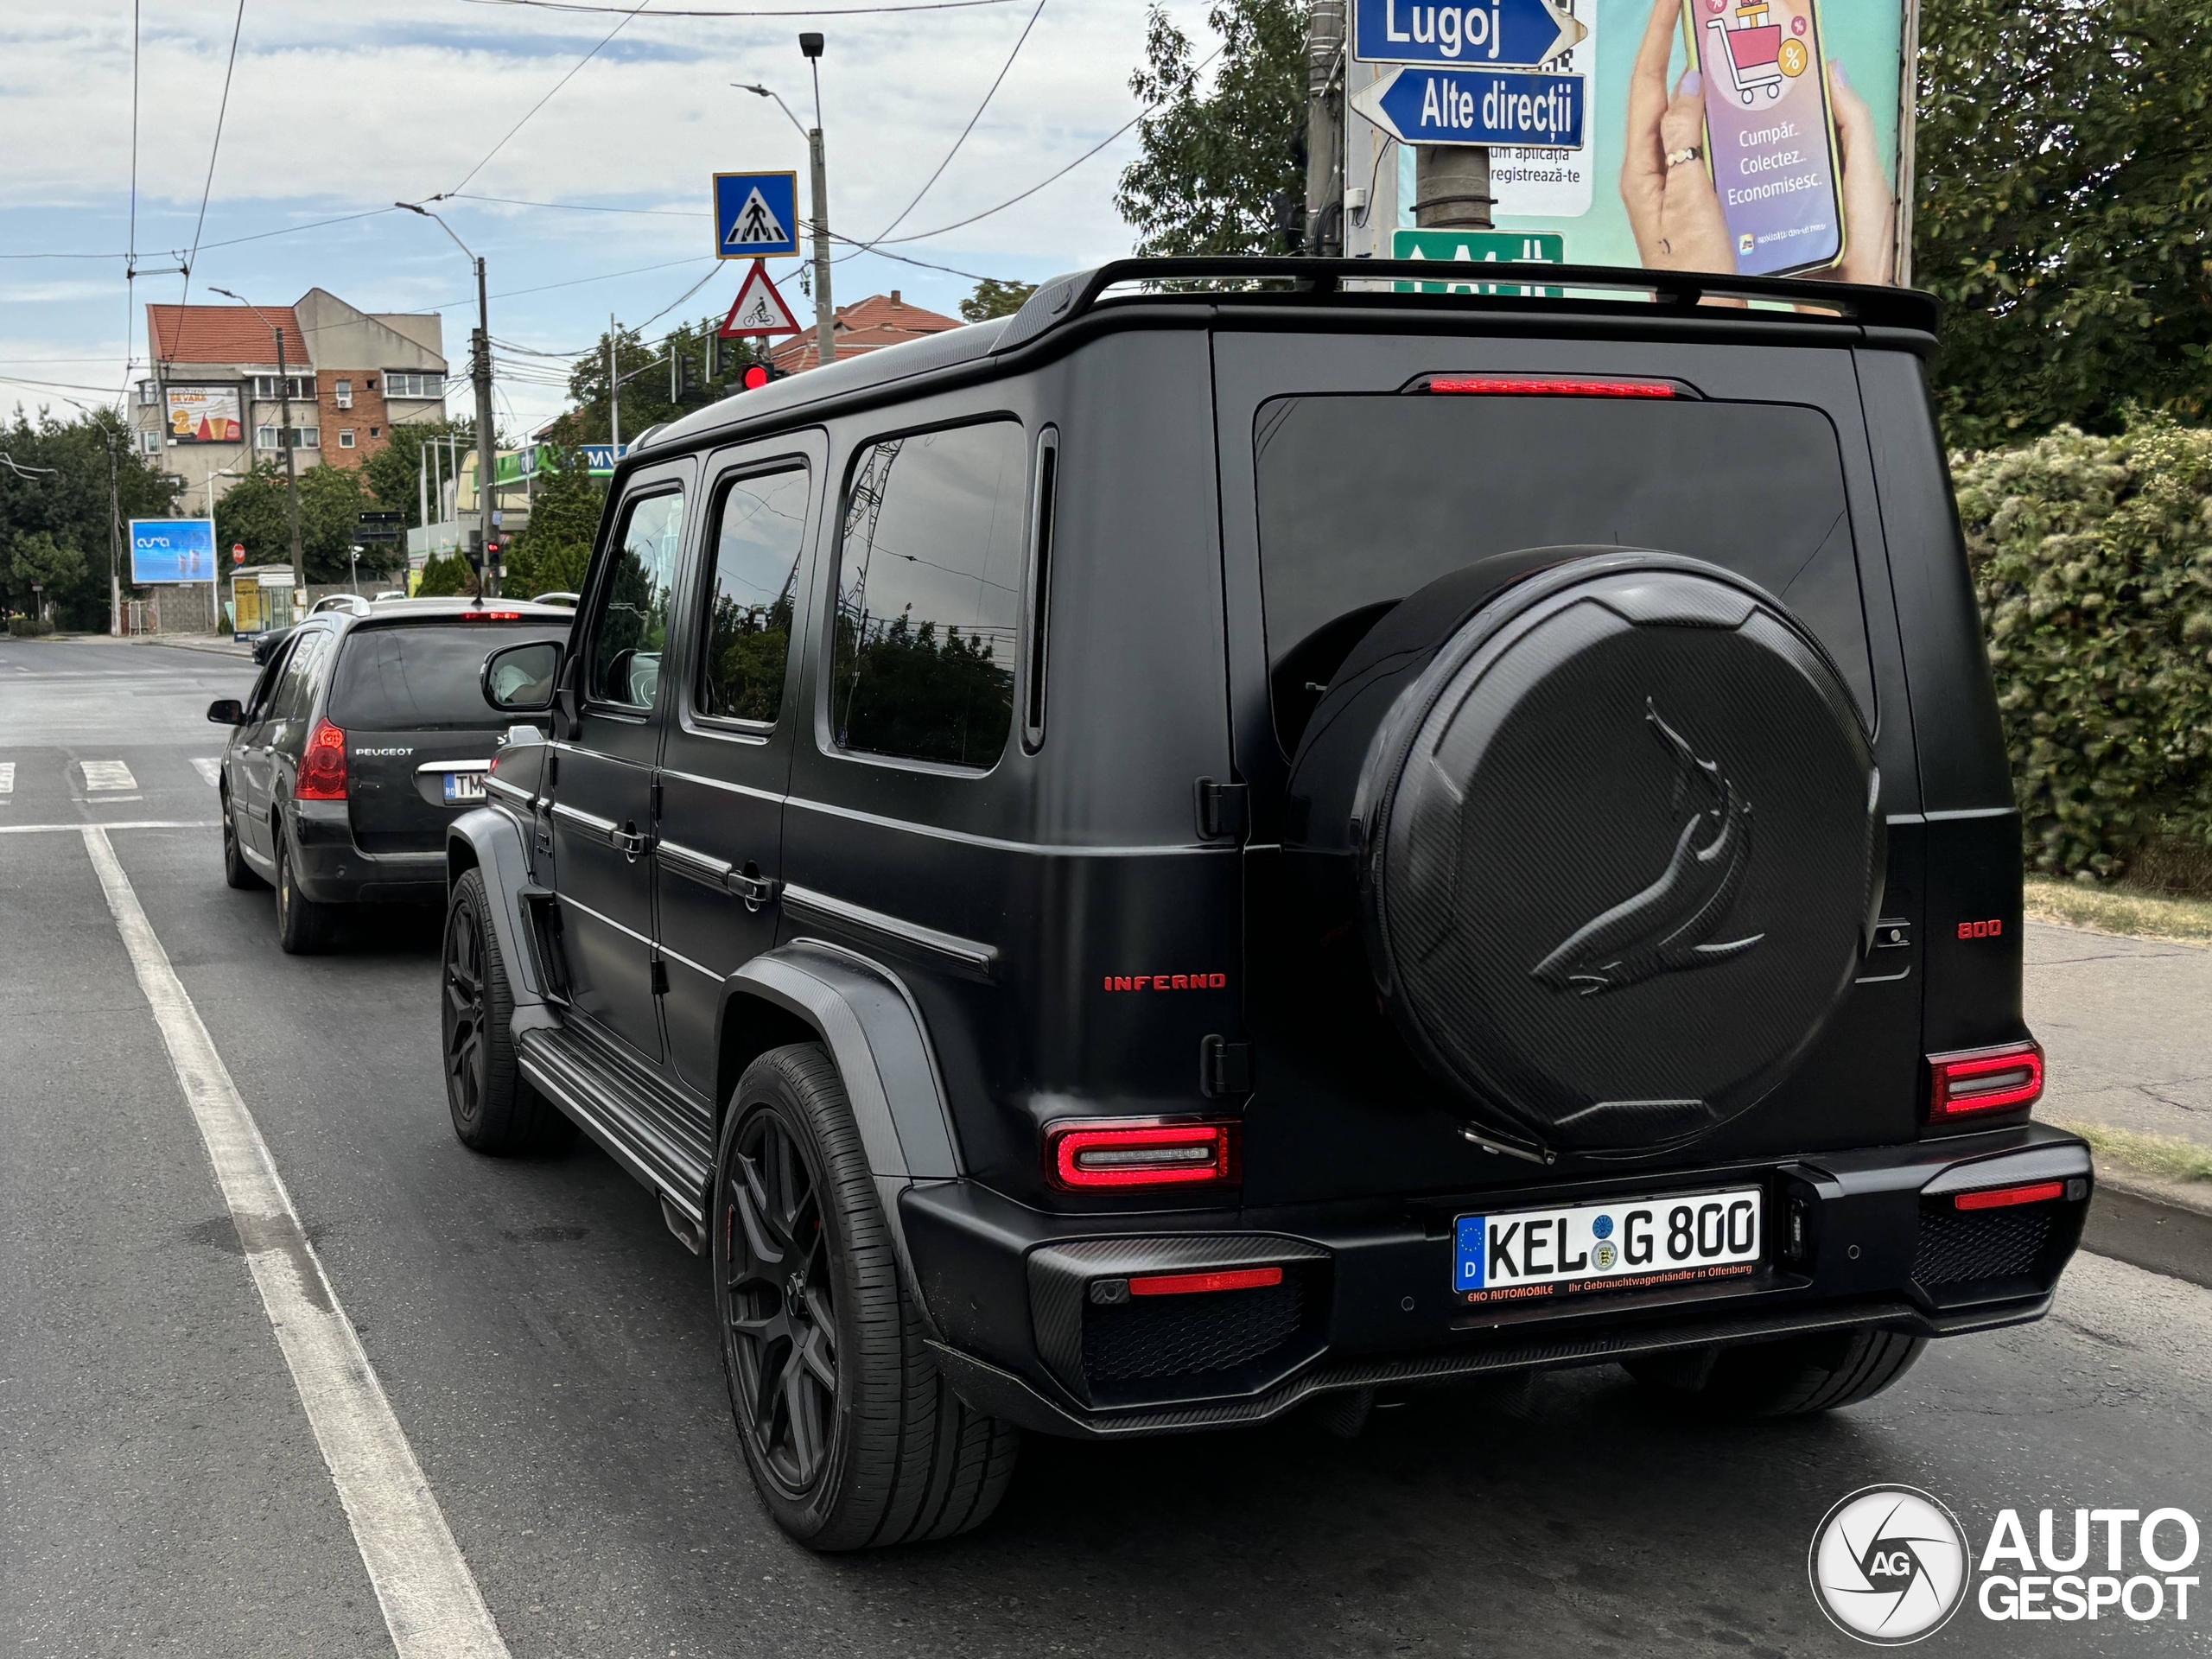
(683, 386)
(760, 374)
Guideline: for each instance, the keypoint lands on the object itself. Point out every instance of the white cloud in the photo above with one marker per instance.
(337, 108)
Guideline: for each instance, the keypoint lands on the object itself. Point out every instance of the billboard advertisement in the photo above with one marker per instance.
(1747, 137)
(204, 413)
(172, 549)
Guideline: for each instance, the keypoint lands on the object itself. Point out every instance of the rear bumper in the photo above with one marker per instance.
(1366, 1300)
(332, 870)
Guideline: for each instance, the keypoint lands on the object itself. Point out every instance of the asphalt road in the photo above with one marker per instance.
(2123, 1021)
(547, 1348)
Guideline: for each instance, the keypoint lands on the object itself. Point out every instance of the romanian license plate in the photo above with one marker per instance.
(1618, 1244)
(464, 787)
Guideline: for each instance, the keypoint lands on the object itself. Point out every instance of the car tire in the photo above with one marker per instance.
(1791, 1378)
(237, 873)
(852, 1435)
(303, 926)
(494, 1108)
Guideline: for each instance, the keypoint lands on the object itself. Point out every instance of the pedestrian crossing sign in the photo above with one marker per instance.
(756, 215)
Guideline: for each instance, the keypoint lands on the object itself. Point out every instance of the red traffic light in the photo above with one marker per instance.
(756, 376)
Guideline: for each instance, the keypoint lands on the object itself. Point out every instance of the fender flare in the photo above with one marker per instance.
(489, 839)
(870, 1022)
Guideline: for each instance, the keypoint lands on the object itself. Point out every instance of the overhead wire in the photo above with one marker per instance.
(989, 94)
(548, 98)
(803, 11)
(222, 112)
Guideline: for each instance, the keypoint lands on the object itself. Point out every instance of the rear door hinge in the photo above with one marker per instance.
(1222, 810)
(1224, 1068)
(660, 977)
(656, 800)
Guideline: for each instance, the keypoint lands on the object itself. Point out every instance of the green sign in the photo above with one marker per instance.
(1480, 247)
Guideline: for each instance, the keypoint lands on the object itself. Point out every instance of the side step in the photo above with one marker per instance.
(659, 1141)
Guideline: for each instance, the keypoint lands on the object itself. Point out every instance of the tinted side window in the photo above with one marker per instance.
(751, 583)
(929, 586)
(630, 628)
(295, 691)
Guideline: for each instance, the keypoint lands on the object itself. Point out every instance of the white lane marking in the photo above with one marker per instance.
(127, 823)
(7, 777)
(210, 768)
(430, 1601)
(107, 774)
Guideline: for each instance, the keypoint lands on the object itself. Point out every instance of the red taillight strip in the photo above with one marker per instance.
(1087, 1154)
(1548, 386)
(322, 767)
(1999, 1197)
(1985, 1080)
(1192, 1284)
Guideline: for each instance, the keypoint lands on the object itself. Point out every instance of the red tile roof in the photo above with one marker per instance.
(225, 333)
(864, 326)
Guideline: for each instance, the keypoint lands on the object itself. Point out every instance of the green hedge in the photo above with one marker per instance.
(2091, 559)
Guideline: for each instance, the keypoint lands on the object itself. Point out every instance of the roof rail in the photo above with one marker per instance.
(1305, 281)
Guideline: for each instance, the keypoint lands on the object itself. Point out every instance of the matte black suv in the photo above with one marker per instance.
(1240, 838)
(368, 732)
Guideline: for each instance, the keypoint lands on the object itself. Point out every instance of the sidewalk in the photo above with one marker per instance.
(216, 644)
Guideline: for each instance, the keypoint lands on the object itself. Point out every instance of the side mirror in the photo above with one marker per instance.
(519, 679)
(225, 711)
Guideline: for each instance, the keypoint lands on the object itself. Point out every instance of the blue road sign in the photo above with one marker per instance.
(172, 549)
(1505, 33)
(756, 215)
(1478, 106)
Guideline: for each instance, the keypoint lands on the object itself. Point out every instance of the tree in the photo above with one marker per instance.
(644, 375)
(994, 298)
(253, 512)
(444, 577)
(392, 475)
(551, 554)
(1212, 163)
(59, 486)
(2065, 211)
(40, 568)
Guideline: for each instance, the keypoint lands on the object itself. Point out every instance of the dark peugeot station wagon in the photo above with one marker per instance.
(1235, 840)
(366, 734)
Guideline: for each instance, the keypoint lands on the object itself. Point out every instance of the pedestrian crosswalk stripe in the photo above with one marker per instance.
(7, 777)
(210, 768)
(108, 774)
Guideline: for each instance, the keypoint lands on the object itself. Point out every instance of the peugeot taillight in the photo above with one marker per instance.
(1087, 1154)
(322, 767)
(1984, 1080)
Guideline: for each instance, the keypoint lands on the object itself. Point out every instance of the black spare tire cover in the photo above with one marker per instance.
(1620, 854)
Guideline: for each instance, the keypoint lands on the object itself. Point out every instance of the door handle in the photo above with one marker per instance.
(630, 842)
(755, 890)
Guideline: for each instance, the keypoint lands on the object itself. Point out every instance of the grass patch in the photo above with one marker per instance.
(2119, 910)
(2165, 1156)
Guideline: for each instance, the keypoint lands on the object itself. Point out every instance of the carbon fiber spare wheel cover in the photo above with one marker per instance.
(1621, 854)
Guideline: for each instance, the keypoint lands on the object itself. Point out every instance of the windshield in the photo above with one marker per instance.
(1364, 499)
(423, 677)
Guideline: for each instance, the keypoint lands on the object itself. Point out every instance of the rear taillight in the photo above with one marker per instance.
(1091, 1154)
(1984, 1080)
(491, 616)
(2003, 1197)
(322, 768)
(1548, 385)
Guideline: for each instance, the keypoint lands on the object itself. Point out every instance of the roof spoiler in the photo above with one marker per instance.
(1308, 281)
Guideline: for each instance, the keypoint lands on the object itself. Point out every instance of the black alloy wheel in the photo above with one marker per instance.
(852, 1436)
(779, 1307)
(494, 1108)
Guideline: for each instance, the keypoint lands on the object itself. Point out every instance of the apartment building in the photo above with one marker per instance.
(214, 404)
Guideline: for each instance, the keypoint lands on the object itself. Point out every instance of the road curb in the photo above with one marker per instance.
(2163, 1226)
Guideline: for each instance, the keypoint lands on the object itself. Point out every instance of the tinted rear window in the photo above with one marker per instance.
(423, 677)
(1364, 499)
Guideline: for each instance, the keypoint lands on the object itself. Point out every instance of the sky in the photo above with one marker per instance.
(340, 108)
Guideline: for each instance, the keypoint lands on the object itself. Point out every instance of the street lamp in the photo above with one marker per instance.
(292, 478)
(480, 363)
(825, 322)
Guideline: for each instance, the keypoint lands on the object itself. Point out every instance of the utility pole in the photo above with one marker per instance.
(613, 390)
(825, 314)
(284, 442)
(1325, 128)
(115, 546)
(487, 492)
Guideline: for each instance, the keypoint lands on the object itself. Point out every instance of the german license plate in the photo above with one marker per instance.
(1617, 1244)
(464, 787)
